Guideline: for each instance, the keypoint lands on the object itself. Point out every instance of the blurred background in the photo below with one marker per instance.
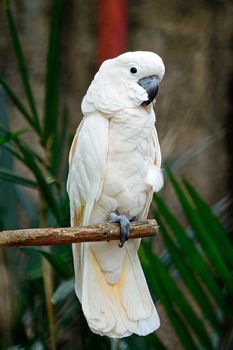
(50, 51)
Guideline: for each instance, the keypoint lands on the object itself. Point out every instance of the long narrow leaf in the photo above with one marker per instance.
(190, 280)
(56, 262)
(22, 65)
(22, 145)
(194, 258)
(27, 157)
(11, 176)
(63, 290)
(3, 139)
(53, 73)
(177, 298)
(157, 344)
(180, 302)
(149, 260)
(135, 342)
(45, 187)
(8, 136)
(16, 154)
(18, 104)
(217, 209)
(7, 191)
(19, 155)
(203, 235)
(208, 218)
(59, 144)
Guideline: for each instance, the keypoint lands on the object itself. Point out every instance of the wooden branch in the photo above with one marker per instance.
(68, 235)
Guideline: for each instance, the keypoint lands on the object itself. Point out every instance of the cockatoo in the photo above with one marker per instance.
(114, 168)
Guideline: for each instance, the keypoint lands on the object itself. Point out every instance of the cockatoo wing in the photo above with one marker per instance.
(155, 174)
(87, 164)
(87, 167)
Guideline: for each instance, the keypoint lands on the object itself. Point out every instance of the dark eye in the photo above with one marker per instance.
(133, 70)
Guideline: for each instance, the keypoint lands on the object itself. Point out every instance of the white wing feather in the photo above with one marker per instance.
(87, 165)
(155, 175)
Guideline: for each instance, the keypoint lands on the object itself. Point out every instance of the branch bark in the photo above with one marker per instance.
(68, 235)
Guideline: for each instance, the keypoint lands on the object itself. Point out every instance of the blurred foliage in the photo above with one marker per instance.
(192, 278)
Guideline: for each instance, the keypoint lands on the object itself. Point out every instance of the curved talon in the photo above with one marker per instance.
(134, 218)
(124, 227)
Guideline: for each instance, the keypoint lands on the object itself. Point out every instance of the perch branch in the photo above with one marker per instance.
(68, 235)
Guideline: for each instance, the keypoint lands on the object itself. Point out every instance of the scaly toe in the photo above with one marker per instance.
(124, 227)
(134, 218)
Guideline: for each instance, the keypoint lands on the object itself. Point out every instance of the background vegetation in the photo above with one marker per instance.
(191, 279)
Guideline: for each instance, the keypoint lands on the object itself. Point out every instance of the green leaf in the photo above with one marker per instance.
(154, 340)
(3, 139)
(14, 153)
(8, 136)
(22, 66)
(8, 217)
(29, 158)
(34, 273)
(194, 259)
(178, 300)
(150, 261)
(18, 104)
(11, 176)
(52, 75)
(135, 342)
(21, 155)
(191, 282)
(204, 235)
(211, 221)
(217, 209)
(56, 262)
(59, 144)
(46, 189)
(63, 290)
(22, 145)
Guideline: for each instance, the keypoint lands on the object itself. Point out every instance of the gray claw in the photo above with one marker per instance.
(134, 218)
(124, 227)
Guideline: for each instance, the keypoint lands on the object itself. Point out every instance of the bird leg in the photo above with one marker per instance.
(124, 226)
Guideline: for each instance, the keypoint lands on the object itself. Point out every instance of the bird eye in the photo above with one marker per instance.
(133, 70)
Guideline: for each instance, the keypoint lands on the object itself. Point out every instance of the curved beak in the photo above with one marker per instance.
(151, 85)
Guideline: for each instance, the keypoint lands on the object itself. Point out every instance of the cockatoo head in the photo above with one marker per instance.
(127, 81)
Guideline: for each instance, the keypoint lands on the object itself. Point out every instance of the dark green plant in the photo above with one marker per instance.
(198, 264)
(195, 288)
(201, 262)
(45, 175)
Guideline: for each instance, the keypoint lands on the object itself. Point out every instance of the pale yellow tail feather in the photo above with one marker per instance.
(114, 310)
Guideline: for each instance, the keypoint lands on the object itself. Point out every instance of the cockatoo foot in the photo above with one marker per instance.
(134, 218)
(124, 226)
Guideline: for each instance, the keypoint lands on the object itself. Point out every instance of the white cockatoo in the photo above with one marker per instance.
(114, 168)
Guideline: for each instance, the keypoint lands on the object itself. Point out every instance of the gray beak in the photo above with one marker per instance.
(151, 85)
